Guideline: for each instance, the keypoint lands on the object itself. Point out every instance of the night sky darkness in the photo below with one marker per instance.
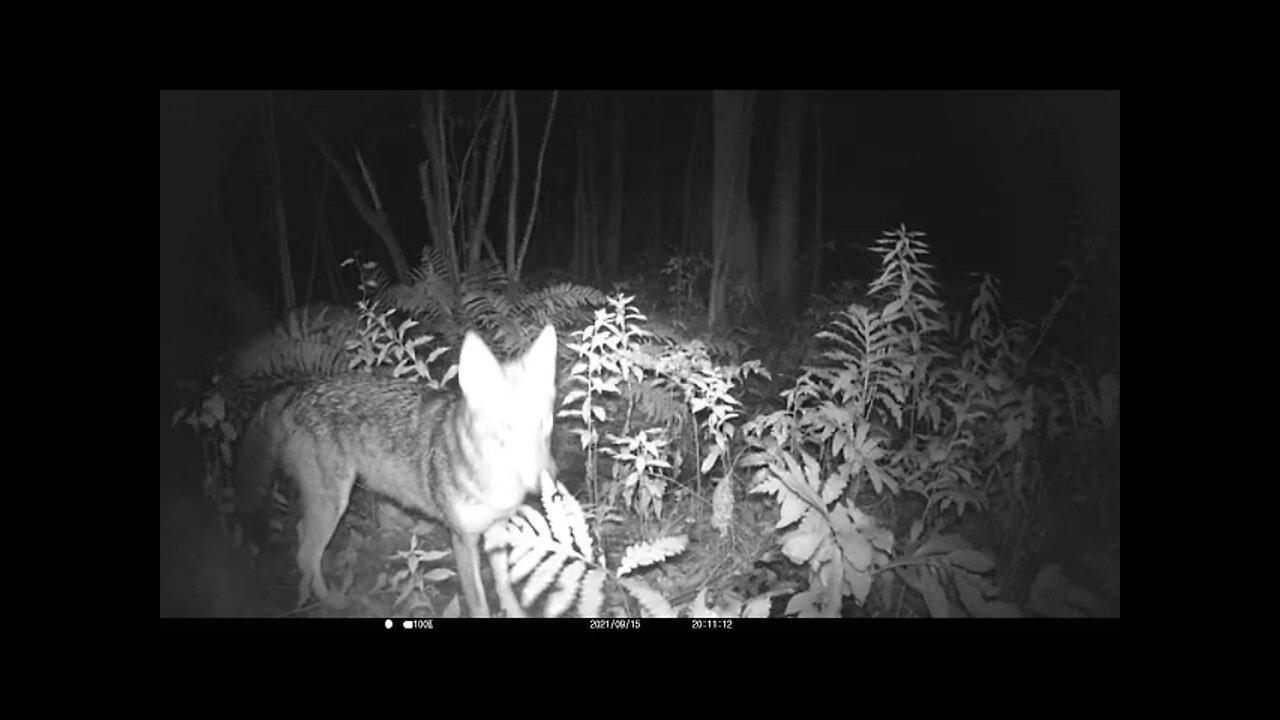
(996, 178)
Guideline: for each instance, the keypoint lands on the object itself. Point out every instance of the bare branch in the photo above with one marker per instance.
(513, 194)
(368, 182)
(374, 218)
(466, 158)
(491, 172)
(537, 183)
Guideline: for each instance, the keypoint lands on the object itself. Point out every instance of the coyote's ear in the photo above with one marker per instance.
(539, 362)
(479, 374)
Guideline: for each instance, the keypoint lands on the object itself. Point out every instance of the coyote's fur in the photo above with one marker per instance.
(466, 459)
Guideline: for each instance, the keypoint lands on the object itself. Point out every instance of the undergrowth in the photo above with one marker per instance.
(851, 485)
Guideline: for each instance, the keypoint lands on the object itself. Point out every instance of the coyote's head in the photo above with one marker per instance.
(511, 408)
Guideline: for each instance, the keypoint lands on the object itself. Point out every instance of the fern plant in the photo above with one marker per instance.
(486, 300)
(553, 558)
(294, 349)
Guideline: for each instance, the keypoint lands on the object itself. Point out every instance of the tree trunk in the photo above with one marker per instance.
(780, 279)
(613, 235)
(819, 198)
(733, 232)
(692, 208)
(585, 225)
(320, 238)
(657, 188)
(277, 190)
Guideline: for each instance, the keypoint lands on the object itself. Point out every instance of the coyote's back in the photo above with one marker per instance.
(467, 459)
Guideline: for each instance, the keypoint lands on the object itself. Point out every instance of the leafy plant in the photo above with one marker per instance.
(945, 561)
(913, 397)
(380, 343)
(841, 545)
(412, 583)
(685, 273)
(604, 352)
(641, 468)
(209, 418)
(653, 389)
(882, 413)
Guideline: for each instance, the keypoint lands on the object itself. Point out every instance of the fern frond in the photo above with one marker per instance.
(433, 264)
(280, 355)
(431, 300)
(660, 401)
(552, 555)
(652, 601)
(556, 304)
(651, 552)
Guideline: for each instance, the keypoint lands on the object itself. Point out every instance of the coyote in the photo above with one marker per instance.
(466, 459)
